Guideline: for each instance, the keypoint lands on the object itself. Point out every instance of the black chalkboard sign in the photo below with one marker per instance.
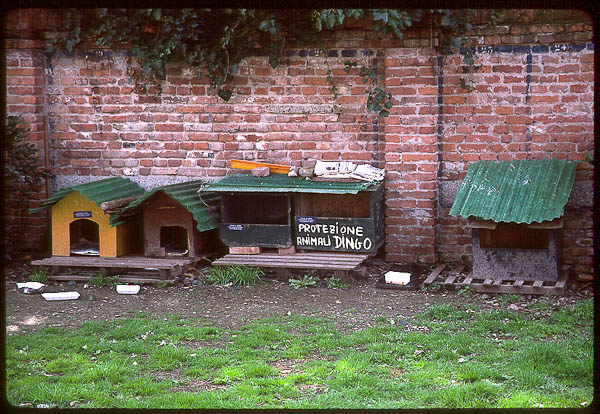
(335, 234)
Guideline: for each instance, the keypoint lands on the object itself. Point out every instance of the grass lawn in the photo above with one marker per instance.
(446, 357)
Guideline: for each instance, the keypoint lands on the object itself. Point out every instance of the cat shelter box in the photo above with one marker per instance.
(83, 218)
(176, 222)
(515, 210)
(279, 211)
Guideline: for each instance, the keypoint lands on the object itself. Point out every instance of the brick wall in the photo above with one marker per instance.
(25, 97)
(533, 98)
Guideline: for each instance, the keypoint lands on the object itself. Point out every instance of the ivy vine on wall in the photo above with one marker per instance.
(219, 39)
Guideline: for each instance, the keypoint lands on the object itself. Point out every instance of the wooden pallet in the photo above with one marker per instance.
(524, 287)
(167, 269)
(340, 263)
(330, 261)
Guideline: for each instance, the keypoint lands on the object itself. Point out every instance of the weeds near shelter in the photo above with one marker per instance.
(234, 275)
(305, 281)
(336, 283)
(41, 275)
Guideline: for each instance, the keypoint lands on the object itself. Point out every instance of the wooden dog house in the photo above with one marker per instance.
(82, 222)
(515, 211)
(279, 211)
(176, 221)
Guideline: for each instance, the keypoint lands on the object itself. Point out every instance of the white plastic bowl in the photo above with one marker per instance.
(128, 289)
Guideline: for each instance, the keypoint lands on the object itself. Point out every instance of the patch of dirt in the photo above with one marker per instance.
(353, 308)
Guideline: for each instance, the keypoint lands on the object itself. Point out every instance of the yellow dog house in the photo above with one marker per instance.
(82, 224)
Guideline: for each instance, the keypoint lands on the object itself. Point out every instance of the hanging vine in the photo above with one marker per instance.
(219, 39)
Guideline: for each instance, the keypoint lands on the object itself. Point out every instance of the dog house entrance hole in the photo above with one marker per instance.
(174, 239)
(84, 237)
(514, 236)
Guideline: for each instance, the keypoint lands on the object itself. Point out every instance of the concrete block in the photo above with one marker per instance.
(287, 250)
(244, 250)
(261, 171)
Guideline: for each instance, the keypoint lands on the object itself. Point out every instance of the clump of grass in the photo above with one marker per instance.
(305, 281)
(509, 298)
(99, 279)
(336, 283)
(41, 275)
(234, 275)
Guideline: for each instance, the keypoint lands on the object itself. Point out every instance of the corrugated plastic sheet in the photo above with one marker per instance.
(96, 191)
(203, 206)
(281, 183)
(523, 191)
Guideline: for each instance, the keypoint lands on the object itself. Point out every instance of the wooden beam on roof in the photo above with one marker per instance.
(478, 223)
(553, 224)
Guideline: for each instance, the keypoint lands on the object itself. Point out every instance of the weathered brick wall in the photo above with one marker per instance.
(25, 98)
(533, 98)
(101, 125)
(411, 153)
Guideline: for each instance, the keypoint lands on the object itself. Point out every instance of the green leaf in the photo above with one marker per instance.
(225, 94)
(389, 104)
(384, 113)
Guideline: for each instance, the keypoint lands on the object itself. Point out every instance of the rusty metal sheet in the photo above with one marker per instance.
(524, 191)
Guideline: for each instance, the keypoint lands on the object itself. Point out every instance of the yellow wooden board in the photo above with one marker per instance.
(249, 165)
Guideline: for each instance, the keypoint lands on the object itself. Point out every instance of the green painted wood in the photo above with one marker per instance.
(262, 235)
(335, 234)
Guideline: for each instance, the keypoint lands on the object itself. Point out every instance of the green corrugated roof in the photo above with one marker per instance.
(281, 183)
(202, 208)
(523, 191)
(96, 191)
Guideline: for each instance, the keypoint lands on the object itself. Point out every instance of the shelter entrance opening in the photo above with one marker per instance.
(174, 239)
(514, 236)
(84, 237)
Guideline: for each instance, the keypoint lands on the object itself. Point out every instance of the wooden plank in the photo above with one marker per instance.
(450, 280)
(553, 224)
(317, 256)
(478, 223)
(122, 278)
(290, 261)
(538, 284)
(296, 257)
(250, 259)
(289, 265)
(518, 283)
(249, 165)
(560, 283)
(433, 275)
(487, 282)
(497, 282)
(124, 262)
(303, 257)
(468, 280)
